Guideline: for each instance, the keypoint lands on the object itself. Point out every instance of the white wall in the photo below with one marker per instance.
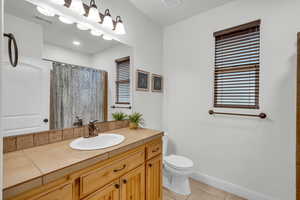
(53, 52)
(257, 156)
(105, 60)
(29, 36)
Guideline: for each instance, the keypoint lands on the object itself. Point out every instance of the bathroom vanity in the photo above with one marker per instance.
(131, 170)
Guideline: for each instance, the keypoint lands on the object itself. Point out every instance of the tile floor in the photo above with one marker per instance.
(201, 191)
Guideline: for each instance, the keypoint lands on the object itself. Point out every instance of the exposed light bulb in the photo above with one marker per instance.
(45, 11)
(94, 15)
(65, 20)
(59, 2)
(96, 32)
(120, 29)
(77, 6)
(107, 37)
(83, 26)
(107, 21)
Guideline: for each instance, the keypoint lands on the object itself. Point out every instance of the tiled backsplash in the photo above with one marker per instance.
(19, 142)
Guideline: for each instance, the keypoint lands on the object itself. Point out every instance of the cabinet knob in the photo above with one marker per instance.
(117, 186)
(150, 165)
(45, 120)
(124, 181)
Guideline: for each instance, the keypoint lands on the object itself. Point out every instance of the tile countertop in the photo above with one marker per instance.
(43, 164)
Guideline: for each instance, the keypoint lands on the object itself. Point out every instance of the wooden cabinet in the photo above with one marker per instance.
(154, 148)
(109, 192)
(132, 175)
(154, 178)
(133, 185)
(95, 179)
(64, 192)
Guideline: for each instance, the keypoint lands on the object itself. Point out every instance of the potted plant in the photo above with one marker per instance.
(119, 116)
(135, 120)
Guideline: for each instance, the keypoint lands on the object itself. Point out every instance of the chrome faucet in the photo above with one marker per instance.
(93, 129)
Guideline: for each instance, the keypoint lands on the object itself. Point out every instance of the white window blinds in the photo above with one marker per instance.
(123, 81)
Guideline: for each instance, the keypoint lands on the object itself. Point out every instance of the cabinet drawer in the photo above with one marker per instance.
(154, 148)
(97, 178)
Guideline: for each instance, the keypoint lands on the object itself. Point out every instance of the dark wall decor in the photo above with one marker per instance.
(142, 80)
(157, 83)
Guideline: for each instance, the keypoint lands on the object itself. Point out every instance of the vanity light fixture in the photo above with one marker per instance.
(107, 21)
(107, 37)
(119, 29)
(77, 6)
(45, 11)
(93, 12)
(93, 15)
(83, 26)
(96, 33)
(59, 2)
(65, 20)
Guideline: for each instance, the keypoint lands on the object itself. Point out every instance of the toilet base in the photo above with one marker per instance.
(176, 183)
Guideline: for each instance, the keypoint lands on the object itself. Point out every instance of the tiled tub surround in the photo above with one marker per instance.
(15, 143)
(33, 167)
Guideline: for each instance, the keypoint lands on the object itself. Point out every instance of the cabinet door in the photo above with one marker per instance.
(154, 179)
(133, 185)
(109, 192)
(62, 193)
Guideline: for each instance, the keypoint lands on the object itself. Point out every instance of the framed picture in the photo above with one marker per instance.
(157, 83)
(142, 80)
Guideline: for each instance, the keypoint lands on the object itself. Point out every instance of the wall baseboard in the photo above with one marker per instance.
(230, 187)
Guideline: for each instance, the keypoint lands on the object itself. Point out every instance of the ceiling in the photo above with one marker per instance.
(158, 12)
(57, 33)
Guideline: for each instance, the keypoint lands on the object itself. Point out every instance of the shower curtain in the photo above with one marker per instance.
(75, 91)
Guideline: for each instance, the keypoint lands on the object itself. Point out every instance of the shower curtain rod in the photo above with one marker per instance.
(73, 65)
(45, 59)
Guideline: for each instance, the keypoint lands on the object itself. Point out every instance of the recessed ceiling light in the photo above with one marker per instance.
(76, 43)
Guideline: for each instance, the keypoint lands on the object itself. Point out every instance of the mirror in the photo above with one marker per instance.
(66, 77)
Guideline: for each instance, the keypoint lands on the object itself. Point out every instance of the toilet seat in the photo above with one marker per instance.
(178, 162)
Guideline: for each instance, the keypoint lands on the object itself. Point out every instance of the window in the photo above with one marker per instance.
(236, 83)
(123, 81)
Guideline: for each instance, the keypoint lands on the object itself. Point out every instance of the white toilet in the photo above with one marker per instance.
(177, 170)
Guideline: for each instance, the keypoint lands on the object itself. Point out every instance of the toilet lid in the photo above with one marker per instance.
(178, 162)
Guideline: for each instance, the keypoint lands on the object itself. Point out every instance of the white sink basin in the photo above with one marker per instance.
(102, 141)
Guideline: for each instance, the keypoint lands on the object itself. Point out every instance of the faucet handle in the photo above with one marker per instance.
(92, 122)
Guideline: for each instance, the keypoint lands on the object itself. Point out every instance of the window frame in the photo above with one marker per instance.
(252, 68)
(117, 82)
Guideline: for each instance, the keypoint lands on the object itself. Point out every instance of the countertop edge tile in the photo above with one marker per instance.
(22, 187)
(143, 135)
